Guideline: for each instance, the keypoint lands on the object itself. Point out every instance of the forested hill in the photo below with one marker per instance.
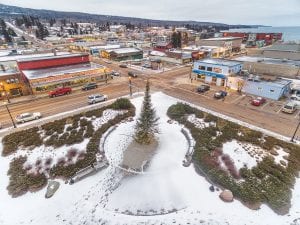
(7, 11)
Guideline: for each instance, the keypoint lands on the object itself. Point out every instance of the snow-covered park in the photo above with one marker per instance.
(165, 192)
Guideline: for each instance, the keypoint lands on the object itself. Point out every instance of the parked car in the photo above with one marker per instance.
(115, 74)
(106, 61)
(89, 86)
(132, 74)
(258, 101)
(25, 117)
(220, 94)
(290, 108)
(203, 88)
(60, 91)
(92, 99)
(295, 97)
(123, 65)
(147, 65)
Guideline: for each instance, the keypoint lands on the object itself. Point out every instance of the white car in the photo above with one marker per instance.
(25, 117)
(92, 99)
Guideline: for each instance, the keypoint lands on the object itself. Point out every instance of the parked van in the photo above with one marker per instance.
(290, 108)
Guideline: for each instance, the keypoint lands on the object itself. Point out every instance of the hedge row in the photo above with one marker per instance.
(268, 182)
(54, 131)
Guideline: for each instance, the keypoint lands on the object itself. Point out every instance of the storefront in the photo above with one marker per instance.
(12, 85)
(48, 79)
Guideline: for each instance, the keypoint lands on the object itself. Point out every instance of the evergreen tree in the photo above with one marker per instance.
(146, 125)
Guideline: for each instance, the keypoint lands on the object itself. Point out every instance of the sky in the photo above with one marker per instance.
(263, 12)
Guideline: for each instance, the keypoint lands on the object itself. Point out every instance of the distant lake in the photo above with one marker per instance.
(289, 33)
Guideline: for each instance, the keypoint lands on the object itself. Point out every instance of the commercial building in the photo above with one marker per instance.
(230, 44)
(162, 46)
(12, 84)
(200, 52)
(282, 51)
(122, 54)
(270, 66)
(255, 39)
(268, 89)
(216, 71)
(75, 75)
(47, 73)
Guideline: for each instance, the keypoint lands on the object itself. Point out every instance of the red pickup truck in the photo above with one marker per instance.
(60, 91)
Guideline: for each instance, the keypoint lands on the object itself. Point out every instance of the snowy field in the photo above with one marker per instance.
(166, 193)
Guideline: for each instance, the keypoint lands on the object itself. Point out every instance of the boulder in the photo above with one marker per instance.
(226, 196)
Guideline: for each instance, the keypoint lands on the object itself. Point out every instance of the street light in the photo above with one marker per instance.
(12, 120)
(4, 92)
(292, 140)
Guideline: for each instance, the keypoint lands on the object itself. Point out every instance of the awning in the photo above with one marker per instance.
(211, 74)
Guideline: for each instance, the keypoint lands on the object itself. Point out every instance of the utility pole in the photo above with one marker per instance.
(12, 120)
(292, 140)
(130, 86)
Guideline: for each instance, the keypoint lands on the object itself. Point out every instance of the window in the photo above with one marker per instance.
(209, 69)
(217, 70)
(272, 90)
(201, 67)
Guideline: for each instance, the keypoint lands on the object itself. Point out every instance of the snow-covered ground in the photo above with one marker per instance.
(246, 154)
(199, 122)
(111, 195)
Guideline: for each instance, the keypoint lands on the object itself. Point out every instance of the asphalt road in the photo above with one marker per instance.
(165, 82)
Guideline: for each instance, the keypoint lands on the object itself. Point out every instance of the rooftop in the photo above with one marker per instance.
(125, 50)
(284, 47)
(268, 60)
(52, 57)
(277, 83)
(220, 62)
(55, 71)
(222, 39)
(20, 57)
(105, 47)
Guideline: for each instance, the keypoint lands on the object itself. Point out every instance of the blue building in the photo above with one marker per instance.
(216, 71)
(268, 89)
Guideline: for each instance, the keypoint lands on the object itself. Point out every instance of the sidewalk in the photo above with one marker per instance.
(34, 97)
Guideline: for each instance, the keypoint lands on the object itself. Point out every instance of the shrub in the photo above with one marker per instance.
(210, 118)
(121, 104)
(20, 181)
(26, 138)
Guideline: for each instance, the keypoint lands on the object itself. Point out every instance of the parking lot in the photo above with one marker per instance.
(243, 100)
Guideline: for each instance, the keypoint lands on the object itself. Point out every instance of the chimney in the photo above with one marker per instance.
(54, 52)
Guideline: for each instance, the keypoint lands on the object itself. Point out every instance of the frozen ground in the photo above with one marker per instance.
(110, 195)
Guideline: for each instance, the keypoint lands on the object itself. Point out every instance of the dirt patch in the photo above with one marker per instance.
(137, 156)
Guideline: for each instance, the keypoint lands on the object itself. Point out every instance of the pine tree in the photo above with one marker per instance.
(146, 125)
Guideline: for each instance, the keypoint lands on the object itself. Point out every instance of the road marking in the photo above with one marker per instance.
(265, 105)
(297, 115)
(238, 98)
(280, 109)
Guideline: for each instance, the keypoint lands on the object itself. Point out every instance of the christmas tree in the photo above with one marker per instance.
(146, 125)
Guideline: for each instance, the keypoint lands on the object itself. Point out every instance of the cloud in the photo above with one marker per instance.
(268, 12)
